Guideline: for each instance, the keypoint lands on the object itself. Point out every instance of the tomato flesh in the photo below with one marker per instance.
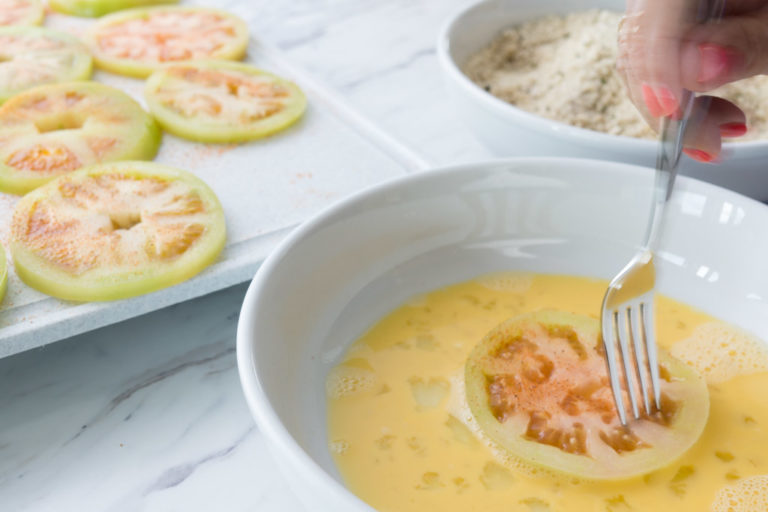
(216, 101)
(31, 56)
(21, 12)
(54, 129)
(116, 230)
(138, 41)
(538, 387)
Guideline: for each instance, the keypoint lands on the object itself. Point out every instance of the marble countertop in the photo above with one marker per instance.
(148, 415)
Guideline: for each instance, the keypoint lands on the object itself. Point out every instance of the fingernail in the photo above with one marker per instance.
(667, 100)
(650, 101)
(715, 61)
(659, 100)
(699, 155)
(733, 129)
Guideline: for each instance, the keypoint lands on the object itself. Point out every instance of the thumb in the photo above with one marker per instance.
(725, 51)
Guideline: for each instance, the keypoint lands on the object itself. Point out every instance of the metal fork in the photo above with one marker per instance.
(627, 316)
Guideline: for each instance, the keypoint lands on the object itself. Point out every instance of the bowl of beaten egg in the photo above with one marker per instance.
(539, 79)
(355, 334)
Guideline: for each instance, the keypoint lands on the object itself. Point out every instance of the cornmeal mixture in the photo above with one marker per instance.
(564, 68)
(403, 438)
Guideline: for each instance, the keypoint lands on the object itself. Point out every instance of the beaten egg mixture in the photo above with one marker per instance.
(403, 439)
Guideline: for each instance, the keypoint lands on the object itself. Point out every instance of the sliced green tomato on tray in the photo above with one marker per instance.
(218, 101)
(95, 8)
(31, 56)
(538, 387)
(116, 230)
(136, 42)
(21, 12)
(54, 129)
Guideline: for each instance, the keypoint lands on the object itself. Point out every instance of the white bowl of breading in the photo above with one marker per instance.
(511, 131)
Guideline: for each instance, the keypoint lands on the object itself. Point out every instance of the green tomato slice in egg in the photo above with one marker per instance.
(538, 387)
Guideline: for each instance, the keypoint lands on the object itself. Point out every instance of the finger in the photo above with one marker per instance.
(712, 119)
(650, 36)
(718, 53)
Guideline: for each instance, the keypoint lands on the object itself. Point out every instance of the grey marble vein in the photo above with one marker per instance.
(399, 66)
(176, 475)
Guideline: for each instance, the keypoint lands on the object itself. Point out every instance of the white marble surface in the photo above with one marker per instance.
(148, 415)
(380, 55)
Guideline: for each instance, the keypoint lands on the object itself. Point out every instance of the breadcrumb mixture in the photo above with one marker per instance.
(564, 68)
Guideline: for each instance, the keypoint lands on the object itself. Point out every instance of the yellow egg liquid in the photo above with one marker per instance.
(398, 444)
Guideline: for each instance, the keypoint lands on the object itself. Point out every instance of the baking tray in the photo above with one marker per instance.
(266, 187)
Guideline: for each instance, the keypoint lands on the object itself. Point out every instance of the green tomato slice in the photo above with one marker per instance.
(538, 387)
(21, 12)
(218, 101)
(31, 56)
(116, 230)
(95, 8)
(136, 42)
(54, 129)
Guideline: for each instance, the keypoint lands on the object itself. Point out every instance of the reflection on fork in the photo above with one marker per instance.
(628, 327)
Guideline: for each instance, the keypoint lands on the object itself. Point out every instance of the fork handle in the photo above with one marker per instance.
(671, 139)
(667, 159)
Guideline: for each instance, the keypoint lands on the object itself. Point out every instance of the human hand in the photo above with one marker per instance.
(663, 49)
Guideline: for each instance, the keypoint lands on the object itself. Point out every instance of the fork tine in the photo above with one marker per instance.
(609, 345)
(626, 357)
(635, 319)
(649, 336)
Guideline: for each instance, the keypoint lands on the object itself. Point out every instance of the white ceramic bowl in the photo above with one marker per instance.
(510, 131)
(339, 273)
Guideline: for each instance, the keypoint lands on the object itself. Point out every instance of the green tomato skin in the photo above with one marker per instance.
(97, 8)
(144, 148)
(684, 432)
(48, 279)
(80, 70)
(36, 17)
(221, 133)
(234, 51)
(11, 183)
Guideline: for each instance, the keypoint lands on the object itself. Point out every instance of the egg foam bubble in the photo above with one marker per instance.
(352, 378)
(720, 352)
(747, 495)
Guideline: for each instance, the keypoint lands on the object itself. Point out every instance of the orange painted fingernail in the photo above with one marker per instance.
(651, 102)
(659, 100)
(699, 155)
(667, 100)
(715, 61)
(733, 129)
